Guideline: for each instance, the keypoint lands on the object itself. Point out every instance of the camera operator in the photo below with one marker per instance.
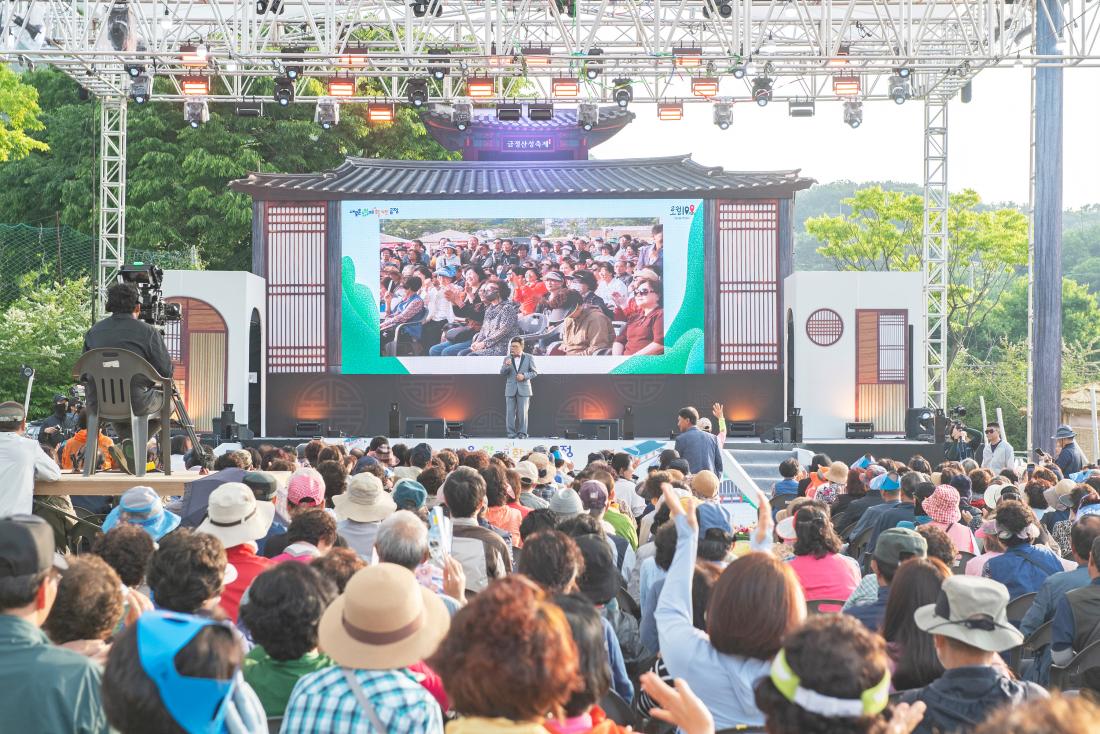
(123, 329)
(962, 441)
(60, 425)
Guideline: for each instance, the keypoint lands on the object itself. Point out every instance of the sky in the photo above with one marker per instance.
(987, 141)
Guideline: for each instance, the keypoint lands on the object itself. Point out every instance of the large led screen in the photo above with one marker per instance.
(591, 286)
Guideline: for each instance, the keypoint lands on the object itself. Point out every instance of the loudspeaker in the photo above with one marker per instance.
(454, 429)
(741, 429)
(308, 429)
(599, 429)
(628, 424)
(920, 424)
(395, 421)
(425, 427)
(795, 422)
(859, 429)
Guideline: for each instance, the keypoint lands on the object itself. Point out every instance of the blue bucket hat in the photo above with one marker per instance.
(198, 705)
(886, 483)
(409, 494)
(446, 271)
(141, 506)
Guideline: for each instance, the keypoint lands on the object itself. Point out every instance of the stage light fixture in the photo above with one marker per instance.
(593, 66)
(141, 88)
(341, 86)
(378, 112)
(537, 55)
(568, 7)
(510, 112)
(293, 63)
(437, 63)
(670, 111)
(704, 86)
(688, 56)
(120, 33)
(327, 113)
(899, 88)
(565, 86)
(723, 114)
(853, 113)
(724, 8)
(263, 6)
(903, 71)
(195, 86)
(846, 86)
(739, 71)
(433, 8)
(480, 87)
(842, 54)
(462, 114)
(801, 108)
(193, 55)
(196, 112)
(253, 109)
(352, 57)
(540, 112)
(623, 94)
(417, 91)
(284, 91)
(762, 90)
(135, 70)
(588, 115)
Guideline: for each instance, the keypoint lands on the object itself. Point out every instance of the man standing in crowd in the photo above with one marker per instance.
(123, 329)
(1077, 615)
(61, 420)
(698, 448)
(42, 688)
(997, 453)
(1071, 459)
(519, 369)
(483, 554)
(22, 461)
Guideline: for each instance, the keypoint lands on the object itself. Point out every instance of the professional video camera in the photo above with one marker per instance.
(148, 278)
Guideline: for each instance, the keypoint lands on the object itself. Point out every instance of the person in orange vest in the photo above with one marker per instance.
(73, 451)
(819, 466)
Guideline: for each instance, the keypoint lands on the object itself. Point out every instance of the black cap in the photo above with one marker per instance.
(585, 276)
(26, 547)
(263, 485)
(600, 580)
(59, 398)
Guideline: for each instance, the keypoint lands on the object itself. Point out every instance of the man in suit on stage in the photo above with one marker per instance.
(519, 368)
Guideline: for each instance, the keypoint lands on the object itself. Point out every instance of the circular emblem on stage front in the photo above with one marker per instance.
(824, 327)
(334, 401)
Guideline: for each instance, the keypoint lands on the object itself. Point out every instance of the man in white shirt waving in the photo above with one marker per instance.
(21, 462)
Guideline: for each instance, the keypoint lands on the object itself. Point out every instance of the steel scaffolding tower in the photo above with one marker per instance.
(111, 253)
(935, 249)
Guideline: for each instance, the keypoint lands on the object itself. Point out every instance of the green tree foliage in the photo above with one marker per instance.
(1007, 320)
(1081, 255)
(178, 177)
(882, 231)
(18, 116)
(43, 328)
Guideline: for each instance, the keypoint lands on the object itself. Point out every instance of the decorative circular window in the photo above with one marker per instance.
(824, 327)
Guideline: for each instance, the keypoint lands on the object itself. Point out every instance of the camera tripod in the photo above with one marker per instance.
(184, 421)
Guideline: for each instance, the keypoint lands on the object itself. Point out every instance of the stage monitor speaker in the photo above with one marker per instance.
(628, 424)
(781, 433)
(604, 429)
(425, 427)
(795, 422)
(741, 429)
(920, 424)
(335, 433)
(308, 429)
(454, 429)
(395, 421)
(859, 429)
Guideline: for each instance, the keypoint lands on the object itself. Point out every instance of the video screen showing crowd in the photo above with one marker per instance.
(568, 295)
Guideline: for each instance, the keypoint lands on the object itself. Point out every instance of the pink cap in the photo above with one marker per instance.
(307, 485)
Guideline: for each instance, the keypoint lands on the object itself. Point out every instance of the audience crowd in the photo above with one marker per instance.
(404, 590)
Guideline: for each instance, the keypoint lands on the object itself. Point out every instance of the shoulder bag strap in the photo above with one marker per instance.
(364, 702)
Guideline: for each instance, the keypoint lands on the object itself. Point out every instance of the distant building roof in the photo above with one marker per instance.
(370, 178)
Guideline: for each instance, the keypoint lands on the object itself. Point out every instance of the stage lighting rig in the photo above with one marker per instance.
(327, 113)
(723, 114)
(417, 91)
(294, 63)
(196, 112)
(853, 113)
(284, 91)
(588, 115)
(439, 68)
(120, 28)
(762, 90)
(462, 114)
(738, 71)
(903, 71)
(594, 65)
(623, 94)
(141, 88)
(899, 88)
(135, 70)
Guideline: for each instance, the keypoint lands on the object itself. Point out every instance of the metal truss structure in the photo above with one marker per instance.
(852, 50)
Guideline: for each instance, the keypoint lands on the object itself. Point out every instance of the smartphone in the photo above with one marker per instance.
(1030, 470)
(439, 536)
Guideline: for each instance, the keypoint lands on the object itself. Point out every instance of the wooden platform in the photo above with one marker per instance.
(115, 483)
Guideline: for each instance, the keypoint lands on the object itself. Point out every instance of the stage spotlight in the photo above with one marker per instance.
(540, 112)
(567, 7)
(120, 28)
(903, 71)
(417, 90)
(762, 90)
(509, 112)
(327, 113)
(588, 115)
(251, 109)
(380, 112)
(462, 114)
(263, 6)
(421, 8)
(440, 68)
(704, 86)
(198, 86)
(284, 91)
(565, 87)
(480, 87)
(670, 111)
(801, 108)
(739, 71)
(687, 56)
(723, 114)
(294, 62)
(899, 89)
(623, 94)
(141, 88)
(341, 87)
(196, 112)
(724, 8)
(846, 86)
(853, 113)
(593, 66)
(135, 70)
(193, 55)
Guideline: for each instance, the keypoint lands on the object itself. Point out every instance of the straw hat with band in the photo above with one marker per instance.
(1053, 495)
(971, 609)
(870, 703)
(364, 500)
(233, 515)
(383, 620)
(837, 473)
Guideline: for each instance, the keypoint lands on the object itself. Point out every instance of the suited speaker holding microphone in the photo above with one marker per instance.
(519, 368)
